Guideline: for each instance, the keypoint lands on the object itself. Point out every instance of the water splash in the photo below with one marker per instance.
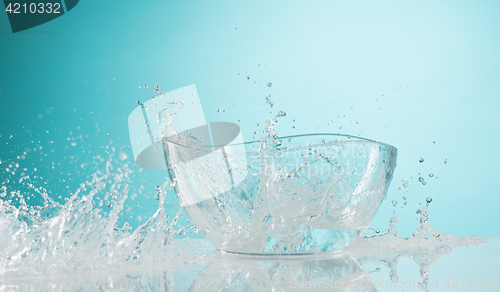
(81, 234)
(425, 244)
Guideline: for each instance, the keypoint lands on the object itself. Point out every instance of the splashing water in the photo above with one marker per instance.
(82, 234)
(424, 245)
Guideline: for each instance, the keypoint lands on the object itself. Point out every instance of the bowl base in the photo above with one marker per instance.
(319, 241)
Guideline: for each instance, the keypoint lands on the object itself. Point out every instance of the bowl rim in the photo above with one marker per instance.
(356, 139)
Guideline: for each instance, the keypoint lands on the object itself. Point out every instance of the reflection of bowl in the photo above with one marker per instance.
(337, 272)
(313, 193)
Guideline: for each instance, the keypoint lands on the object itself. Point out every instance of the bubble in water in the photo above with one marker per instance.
(139, 218)
(431, 174)
(269, 84)
(428, 200)
(394, 203)
(404, 185)
(108, 203)
(445, 161)
(421, 160)
(73, 144)
(139, 103)
(218, 110)
(421, 179)
(248, 77)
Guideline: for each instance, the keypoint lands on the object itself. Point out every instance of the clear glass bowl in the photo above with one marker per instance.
(302, 194)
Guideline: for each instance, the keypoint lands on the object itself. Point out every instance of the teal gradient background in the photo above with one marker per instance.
(405, 73)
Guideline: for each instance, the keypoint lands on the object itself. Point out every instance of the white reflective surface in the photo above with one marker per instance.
(196, 266)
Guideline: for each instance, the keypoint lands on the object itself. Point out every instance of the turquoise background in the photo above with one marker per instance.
(406, 73)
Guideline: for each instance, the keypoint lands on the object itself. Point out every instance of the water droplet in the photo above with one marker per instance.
(428, 200)
(269, 84)
(269, 101)
(394, 220)
(239, 120)
(108, 134)
(421, 179)
(394, 203)
(431, 174)
(281, 114)
(248, 77)
(218, 110)
(445, 161)
(421, 160)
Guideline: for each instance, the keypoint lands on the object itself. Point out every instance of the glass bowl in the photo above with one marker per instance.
(297, 195)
